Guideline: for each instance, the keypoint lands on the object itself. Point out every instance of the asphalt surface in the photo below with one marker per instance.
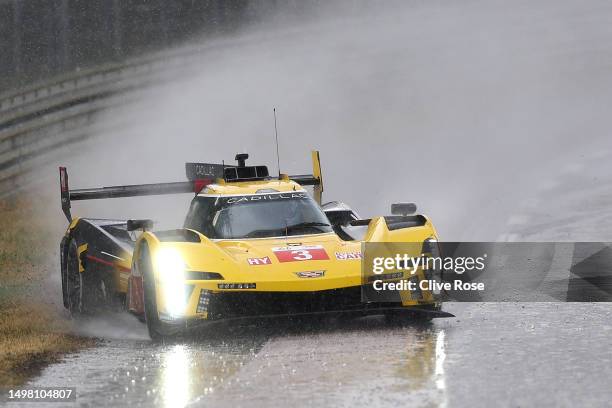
(491, 354)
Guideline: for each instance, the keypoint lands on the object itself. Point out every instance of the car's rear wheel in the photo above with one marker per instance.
(78, 284)
(158, 330)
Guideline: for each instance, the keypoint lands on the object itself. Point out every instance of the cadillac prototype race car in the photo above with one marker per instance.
(251, 246)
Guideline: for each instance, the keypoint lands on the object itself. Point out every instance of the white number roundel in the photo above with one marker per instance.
(301, 255)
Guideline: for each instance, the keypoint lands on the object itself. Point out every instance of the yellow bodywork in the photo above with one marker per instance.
(221, 187)
(285, 264)
(230, 257)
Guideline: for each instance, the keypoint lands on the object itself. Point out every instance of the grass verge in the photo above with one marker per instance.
(33, 330)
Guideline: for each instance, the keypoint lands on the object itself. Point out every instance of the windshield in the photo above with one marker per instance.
(257, 216)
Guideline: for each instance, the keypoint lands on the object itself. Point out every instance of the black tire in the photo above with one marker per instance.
(78, 289)
(158, 330)
(87, 291)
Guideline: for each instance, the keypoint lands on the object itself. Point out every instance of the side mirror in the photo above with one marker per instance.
(403, 208)
(133, 225)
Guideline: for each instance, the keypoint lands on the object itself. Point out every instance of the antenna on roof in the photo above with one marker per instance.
(276, 136)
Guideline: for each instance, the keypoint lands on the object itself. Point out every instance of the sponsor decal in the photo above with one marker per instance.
(348, 256)
(259, 261)
(265, 197)
(237, 286)
(300, 253)
(310, 274)
(204, 170)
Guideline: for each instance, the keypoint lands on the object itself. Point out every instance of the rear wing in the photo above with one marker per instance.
(199, 175)
(67, 195)
(315, 179)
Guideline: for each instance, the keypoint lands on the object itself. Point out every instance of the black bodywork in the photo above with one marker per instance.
(107, 241)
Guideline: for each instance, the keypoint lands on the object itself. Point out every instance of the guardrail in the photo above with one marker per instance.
(37, 121)
(45, 117)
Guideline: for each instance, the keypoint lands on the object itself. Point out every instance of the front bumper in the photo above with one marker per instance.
(209, 305)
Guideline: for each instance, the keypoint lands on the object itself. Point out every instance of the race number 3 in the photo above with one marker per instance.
(303, 253)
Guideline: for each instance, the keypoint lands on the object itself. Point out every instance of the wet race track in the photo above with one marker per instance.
(508, 109)
(491, 354)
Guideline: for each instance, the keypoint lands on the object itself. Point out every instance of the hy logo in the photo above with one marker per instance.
(310, 274)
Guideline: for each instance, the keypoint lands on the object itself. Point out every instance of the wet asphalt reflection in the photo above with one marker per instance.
(507, 354)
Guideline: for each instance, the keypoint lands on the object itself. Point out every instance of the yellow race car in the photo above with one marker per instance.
(251, 246)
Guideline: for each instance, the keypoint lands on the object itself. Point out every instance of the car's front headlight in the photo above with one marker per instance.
(171, 274)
